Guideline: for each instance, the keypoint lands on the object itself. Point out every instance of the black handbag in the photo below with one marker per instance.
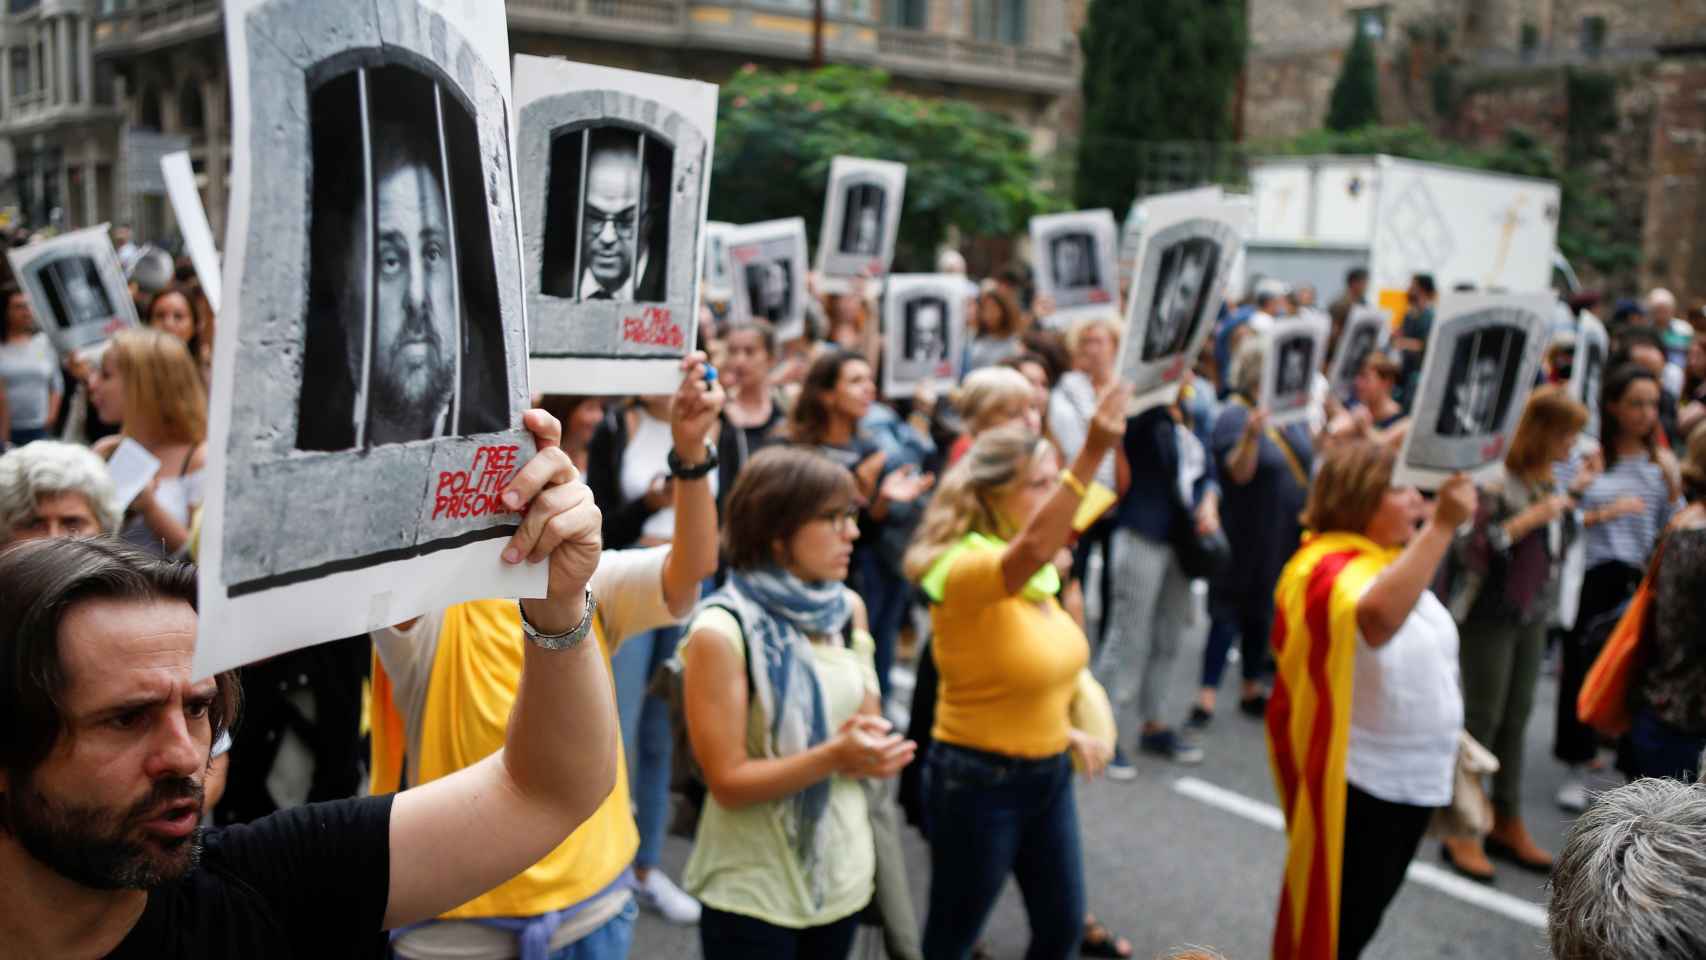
(1200, 556)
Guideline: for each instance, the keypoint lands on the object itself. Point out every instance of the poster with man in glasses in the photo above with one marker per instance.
(1481, 361)
(370, 374)
(614, 167)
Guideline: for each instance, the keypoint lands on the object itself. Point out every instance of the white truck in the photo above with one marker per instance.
(1317, 217)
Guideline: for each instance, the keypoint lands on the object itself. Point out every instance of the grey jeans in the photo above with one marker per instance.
(1500, 662)
(1147, 613)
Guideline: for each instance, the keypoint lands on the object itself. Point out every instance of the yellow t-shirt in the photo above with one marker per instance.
(741, 861)
(444, 697)
(1008, 666)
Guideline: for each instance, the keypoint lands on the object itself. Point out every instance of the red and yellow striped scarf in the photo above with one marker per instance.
(1309, 717)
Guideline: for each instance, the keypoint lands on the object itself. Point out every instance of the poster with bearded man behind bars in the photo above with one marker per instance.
(370, 373)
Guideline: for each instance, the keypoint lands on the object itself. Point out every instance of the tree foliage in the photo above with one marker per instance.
(1156, 70)
(1356, 94)
(778, 132)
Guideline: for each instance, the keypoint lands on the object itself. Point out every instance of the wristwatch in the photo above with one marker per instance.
(560, 641)
(681, 471)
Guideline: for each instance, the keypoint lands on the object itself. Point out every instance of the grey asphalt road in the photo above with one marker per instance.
(1168, 869)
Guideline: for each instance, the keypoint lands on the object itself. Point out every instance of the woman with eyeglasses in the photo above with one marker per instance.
(998, 780)
(784, 717)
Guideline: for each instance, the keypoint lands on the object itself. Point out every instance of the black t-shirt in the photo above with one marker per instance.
(305, 882)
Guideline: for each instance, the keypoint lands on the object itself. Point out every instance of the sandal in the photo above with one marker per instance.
(1099, 941)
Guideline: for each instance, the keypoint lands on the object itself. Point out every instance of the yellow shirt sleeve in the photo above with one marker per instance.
(974, 581)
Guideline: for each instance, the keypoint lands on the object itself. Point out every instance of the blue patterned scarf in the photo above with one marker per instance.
(778, 612)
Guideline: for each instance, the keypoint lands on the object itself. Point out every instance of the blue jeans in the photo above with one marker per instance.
(1250, 627)
(990, 815)
(609, 942)
(1660, 750)
(646, 735)
(886, 598)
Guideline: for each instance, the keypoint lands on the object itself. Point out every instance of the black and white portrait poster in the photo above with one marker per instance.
(1294, 351)
(767, 265)
(861, 219)
(923, 326)
(613, 168)
(714, 283)
(1184, 258)
(1587, 370)
(1076, 266)
(371, 366)
(1481, 360)
(1367, 330)
(75, 286)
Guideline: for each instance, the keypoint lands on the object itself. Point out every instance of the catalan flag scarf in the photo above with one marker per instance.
(1309, 718)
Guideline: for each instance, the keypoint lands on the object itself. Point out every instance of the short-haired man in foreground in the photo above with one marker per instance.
(54, 489)
(107, 735)
(1630, 883)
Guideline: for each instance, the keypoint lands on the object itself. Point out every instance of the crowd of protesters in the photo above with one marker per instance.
(758, 556)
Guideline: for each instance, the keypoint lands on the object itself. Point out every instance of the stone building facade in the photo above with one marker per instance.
(1473, 69)
(1019, 57)
(58, 118)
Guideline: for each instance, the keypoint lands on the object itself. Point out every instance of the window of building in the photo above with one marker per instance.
(1000, 21)
(1370, 21)
(1593, 35)
(911, 14)
(73, 55)
(19, 63)
(190, 114)
(843, 9)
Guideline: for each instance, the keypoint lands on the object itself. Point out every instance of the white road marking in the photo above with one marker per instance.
(1514, 908)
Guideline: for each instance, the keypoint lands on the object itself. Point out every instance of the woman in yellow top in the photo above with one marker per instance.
(998, 781)
(784, 859)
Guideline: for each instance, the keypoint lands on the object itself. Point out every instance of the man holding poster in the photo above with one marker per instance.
(105, 764)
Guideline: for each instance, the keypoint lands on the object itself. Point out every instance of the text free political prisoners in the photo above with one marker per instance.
(474, 492)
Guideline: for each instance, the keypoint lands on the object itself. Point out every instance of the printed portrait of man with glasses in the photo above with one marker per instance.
(607, 227)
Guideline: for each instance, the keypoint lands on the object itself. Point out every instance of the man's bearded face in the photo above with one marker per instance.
(106, 848)
(415, 333)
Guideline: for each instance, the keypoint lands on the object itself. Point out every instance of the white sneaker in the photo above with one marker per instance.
(1573, 795)
(659, 893)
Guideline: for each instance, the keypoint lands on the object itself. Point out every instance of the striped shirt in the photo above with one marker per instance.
(1628, 539)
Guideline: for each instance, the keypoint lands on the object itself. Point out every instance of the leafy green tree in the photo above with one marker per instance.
(1356, 94)
(778, 132)
(1154, 70)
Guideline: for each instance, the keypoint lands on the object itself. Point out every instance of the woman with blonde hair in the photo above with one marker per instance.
(150, 385)
(999, 773)
(1503, 599)
(990, 398)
